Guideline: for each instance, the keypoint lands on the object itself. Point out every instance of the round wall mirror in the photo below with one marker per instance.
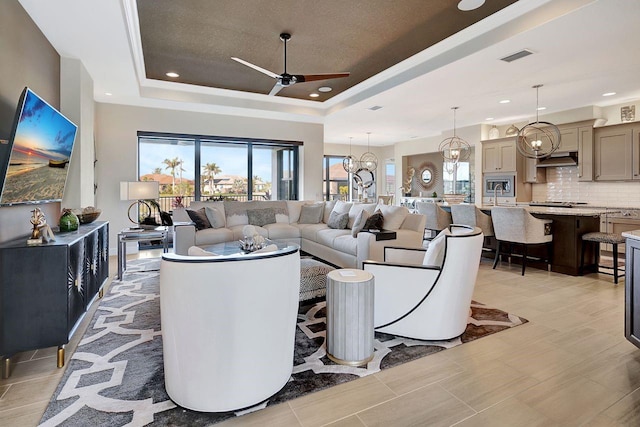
(428, 175)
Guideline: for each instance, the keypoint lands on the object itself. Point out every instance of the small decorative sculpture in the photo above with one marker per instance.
(41, 230)
(406, 188)
(252, 240)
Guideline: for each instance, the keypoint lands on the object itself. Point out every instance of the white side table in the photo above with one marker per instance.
(139, 235)
(350, 316)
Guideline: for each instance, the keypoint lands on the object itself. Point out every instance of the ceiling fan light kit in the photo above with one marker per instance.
(368, 160)
(454, 148)
(285, 79)
(538, 140)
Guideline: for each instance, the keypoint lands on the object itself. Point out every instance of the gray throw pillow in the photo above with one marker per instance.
(261, 217)
(215, 217)
(311, 214)
(358, 224)
(338, 221)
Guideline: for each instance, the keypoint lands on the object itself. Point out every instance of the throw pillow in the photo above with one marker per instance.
(338, 221)
(197, 251)
(261, 217)
(215, 217)
(435, 251)
(199, 218)
(375, 221)
(311, 214)
(355, 210)
(358, 224)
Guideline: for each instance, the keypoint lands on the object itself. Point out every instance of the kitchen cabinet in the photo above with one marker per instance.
(617, 153)
(45, 289)
(534, 174)
(499, 156)
(632, 292)
(585, 153)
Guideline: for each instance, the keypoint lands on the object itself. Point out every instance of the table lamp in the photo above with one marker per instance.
(139, 191)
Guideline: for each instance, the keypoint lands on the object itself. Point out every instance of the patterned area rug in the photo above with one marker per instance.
(116, 376)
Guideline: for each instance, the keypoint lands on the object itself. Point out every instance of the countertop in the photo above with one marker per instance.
(635, 234)
(560, 211)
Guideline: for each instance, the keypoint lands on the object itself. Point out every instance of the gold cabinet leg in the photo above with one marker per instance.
(6, 367)
(60, 357)
(101, 293)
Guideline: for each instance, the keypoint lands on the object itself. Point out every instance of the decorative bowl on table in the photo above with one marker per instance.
(87, 215)
(454, 199)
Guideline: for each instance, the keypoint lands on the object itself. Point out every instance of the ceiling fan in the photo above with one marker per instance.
(285, 79)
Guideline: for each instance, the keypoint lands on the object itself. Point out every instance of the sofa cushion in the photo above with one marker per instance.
(328, 207)
(211, 236)
(327, 236)
(393, 216)
(199, 218)
(215, 216)
(359, 223)
(310, 231)
(375, 221)
(311, 214)
(261, 217)
(356, 208)
(294, 207)
(338, 221)
(236, 212)
(279, 231)
(341, 207)
(346, 244)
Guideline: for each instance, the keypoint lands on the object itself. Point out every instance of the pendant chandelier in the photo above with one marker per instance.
(538, 139)
(350, 163)
(368, 160)
(454, 148)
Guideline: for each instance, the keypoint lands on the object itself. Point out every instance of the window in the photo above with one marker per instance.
(335, 183)
(199, 168)
(390, 177)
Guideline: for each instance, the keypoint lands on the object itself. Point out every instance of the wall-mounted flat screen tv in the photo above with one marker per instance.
(40, 145)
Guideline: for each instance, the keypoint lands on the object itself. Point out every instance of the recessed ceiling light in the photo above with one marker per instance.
(466, 5)
(108, 93)
(542, 108)
(505, 101)
(608, 94)
(488, 119)
(314, 95)
(172, 74)
(325, 89)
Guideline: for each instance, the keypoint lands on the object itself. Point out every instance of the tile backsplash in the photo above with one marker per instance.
(563, 186)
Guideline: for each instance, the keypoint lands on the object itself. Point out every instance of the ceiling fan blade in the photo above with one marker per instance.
(313, 77)
(276, 88)
(255, 67)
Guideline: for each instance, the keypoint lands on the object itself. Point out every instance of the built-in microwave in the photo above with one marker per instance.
(493, 182)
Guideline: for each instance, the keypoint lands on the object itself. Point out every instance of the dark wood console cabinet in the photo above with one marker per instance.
(45, 289)
(632, 292)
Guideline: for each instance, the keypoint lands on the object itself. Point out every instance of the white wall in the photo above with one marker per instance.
(117, 147)
(76, 102)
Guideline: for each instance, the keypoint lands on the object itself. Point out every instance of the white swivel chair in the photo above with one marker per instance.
(428, 302)
(228, 327)
(516, 225)
(437, 218)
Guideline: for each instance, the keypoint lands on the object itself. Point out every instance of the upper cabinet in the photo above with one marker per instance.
(585, 153)
(617, 152)
(499, 155)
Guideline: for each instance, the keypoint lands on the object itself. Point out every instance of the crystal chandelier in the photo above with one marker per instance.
(350, 163)
(368, 160)
(538, 139)
(454, 148)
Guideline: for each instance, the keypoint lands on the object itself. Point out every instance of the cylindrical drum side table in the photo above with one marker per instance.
(350, 316)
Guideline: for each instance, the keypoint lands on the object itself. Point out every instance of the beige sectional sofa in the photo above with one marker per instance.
(337, 246)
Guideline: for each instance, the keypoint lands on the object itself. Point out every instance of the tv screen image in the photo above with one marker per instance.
(41, 145)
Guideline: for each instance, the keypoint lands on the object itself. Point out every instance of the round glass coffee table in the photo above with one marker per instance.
(231, 249)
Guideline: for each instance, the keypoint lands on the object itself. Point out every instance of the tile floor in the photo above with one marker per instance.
(569, 366)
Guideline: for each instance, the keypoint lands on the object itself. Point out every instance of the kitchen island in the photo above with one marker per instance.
(569, 224)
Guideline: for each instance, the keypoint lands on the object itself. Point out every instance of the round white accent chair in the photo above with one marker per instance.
(427, 296)
(228, 327)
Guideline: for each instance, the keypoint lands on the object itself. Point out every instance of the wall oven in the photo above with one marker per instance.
(507, 183)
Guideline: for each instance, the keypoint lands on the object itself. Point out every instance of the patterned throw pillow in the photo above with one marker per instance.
(199, 218)
(338, 221)
(261, 217)
(311, 214)
(375, 221)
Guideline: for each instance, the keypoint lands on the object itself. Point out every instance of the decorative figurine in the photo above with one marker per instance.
(41, 230)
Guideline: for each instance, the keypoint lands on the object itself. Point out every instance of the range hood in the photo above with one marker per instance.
(559, 159)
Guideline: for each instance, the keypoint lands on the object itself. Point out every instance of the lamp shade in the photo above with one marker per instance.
(139, 190)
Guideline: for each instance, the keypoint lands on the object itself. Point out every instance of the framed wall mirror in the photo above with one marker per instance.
(427, 176)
